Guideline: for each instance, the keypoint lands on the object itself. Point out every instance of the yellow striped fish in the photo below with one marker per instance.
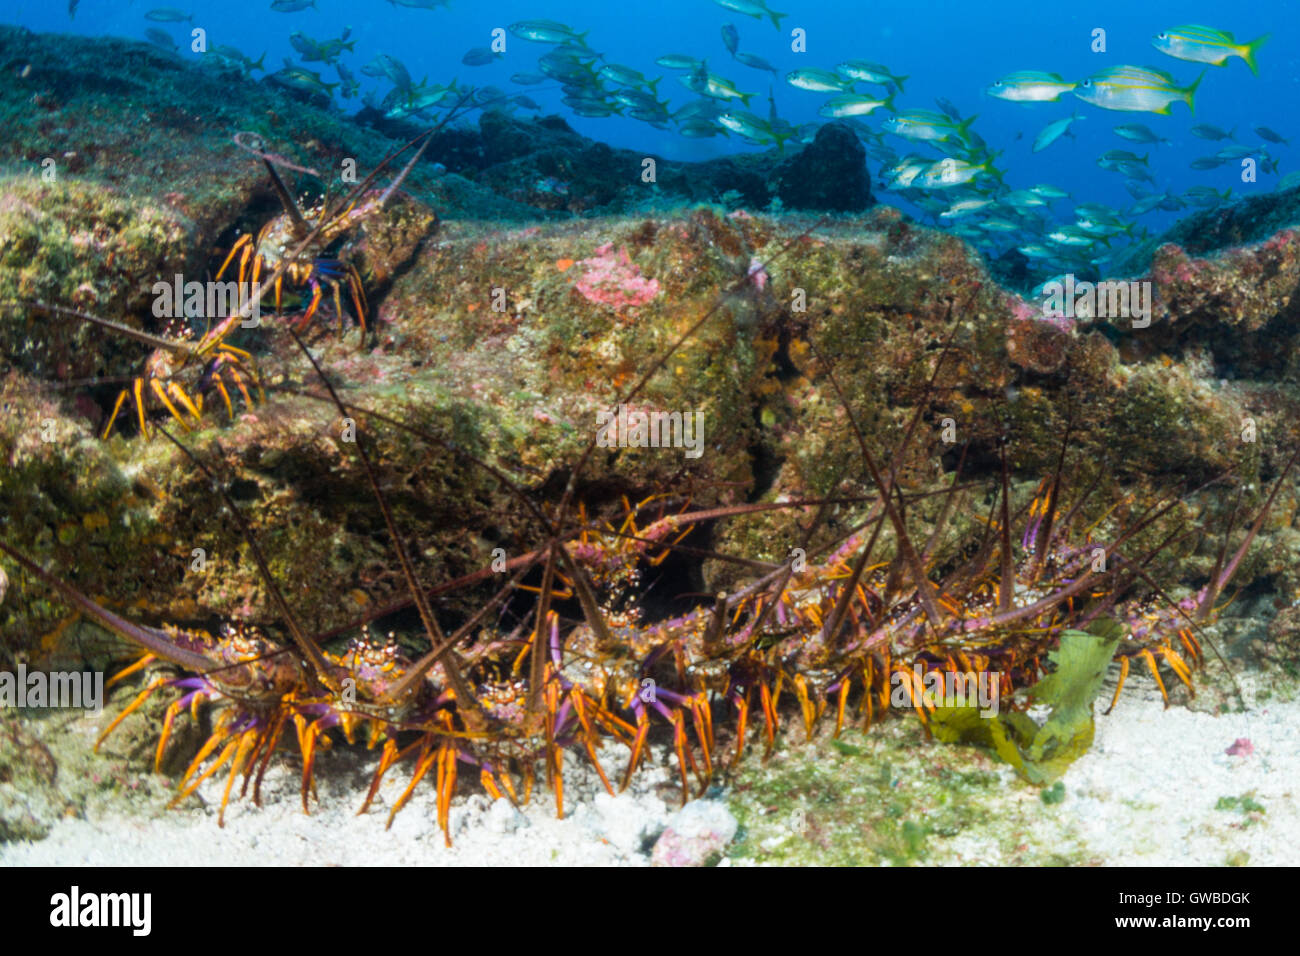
(1200, 44)
(1136, 88)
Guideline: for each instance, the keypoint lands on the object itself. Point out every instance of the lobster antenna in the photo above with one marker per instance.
(308, 646)
(300, 227)
(924, 587)
(1045, 529)
(158, 342)
(464, 693)
(155, 641)
(1221, 579)
(538, 668)
(1006, 572)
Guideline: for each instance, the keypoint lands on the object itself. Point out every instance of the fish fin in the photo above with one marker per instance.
(1249, 51)
(746, 97)
(1191, 93)
(898, 82)
(998, 174)
(257, 64)
(777, 18)
(963, 128)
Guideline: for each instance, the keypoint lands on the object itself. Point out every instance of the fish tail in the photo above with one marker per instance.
(746, 97)
(1191, 93)
(1250, 49)
(963, 128)
(777, 18)
(898, 82)
(257, 64)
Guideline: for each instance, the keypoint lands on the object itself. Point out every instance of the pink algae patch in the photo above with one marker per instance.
(612, 279)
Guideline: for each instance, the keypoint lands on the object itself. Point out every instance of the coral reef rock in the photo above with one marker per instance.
(829, 175)
(696, 835)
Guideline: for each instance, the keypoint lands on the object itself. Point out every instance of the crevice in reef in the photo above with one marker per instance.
(1265, 354)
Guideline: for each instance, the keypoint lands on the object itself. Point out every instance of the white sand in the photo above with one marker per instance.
(1145, 794)
(597, 829)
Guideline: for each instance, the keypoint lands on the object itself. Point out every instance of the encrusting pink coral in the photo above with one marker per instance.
(612, 279)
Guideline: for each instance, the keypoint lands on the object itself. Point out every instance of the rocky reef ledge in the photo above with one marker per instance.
(510, 337)
(504, 325)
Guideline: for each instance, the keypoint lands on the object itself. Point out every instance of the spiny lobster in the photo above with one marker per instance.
(832, 630)
(181, 371)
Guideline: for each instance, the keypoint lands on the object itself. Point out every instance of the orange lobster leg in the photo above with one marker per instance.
(1155, 672)
(427, 759)
(1123, 675)
(131, 708)
(113, 417)
(742, 722)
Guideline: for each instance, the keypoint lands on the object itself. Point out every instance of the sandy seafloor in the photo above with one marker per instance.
(1157, 788)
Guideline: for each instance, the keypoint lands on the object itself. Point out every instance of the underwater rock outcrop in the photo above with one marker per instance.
(829, 175)
(521, 386)
(1250, 219)
(507, 341)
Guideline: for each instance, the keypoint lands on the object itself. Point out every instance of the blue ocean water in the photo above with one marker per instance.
(947, 49)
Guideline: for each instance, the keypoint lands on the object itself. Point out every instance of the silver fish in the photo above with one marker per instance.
(731, 38)
(160, 39)
(757, 62)
(1054, 131)
(168, 15)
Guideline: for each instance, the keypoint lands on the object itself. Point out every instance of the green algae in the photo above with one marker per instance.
(887, 797)
(1041, 752)
(1246, 805)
